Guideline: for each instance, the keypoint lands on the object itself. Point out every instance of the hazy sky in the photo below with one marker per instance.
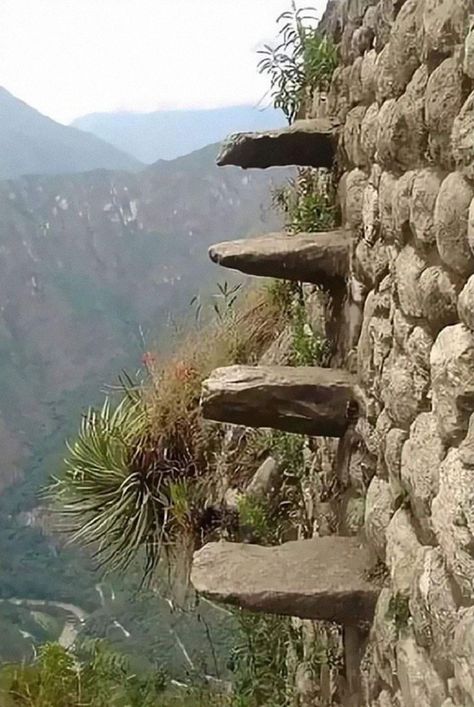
(71, 57)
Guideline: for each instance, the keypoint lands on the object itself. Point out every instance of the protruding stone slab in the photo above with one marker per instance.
(305, 257)
(308, 143)
(306, 400)
(323, 578)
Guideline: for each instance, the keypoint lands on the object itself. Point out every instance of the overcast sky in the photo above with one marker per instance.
(71, 57)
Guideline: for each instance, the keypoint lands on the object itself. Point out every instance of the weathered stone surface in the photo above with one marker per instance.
(307, 400)
(384, 80)
(433, 608)
(384, 18)
(374, 344)
(368, 76)
(453, 520)
(355, 184)
(368, 131)
(362, 40)
(370, 262)
(443, 102)
(310, 143)
(378, 512)
(420, 684)
(404, 388)
(463, 138)
(466, 448)
(401, 138)
(338, 95)
(386, 190)
(352, 137)
(401, 552)
(392, 456)
(443, 24)
(438, 292)
(450, 223)
(466, 304)
(370, 207)
(384, 640)
(265, 481)
(386, 126)
(452, 376)
(425, 188)
(468, 66)
(403, 46)
(321, 578)
(408, 269)
(401, 206)
(346, 50)
(418, 347)
(421, 458)
(402, 327)
(463, 656)
(470, 226)
(385, 700)
(306, 257)
(355, 84)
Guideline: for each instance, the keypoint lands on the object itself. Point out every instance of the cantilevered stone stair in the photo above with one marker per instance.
(322, 578)
(307, 143)
(318, 258)
(306, 399)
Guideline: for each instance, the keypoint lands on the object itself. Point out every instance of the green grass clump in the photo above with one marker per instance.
(308, 205)
(308, 348)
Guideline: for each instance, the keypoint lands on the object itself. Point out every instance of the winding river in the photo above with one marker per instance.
(76, 616)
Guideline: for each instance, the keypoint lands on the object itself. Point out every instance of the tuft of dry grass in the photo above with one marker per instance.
(141, 477)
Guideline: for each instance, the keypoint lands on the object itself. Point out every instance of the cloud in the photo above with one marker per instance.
(71, 57)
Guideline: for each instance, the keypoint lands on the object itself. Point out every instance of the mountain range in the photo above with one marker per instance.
(100, 257)
(32, 143)
(168, 134)
(96, 268)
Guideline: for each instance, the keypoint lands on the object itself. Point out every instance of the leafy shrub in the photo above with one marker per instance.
(96, 676)
(259, 660)
(301, 62)
(307, 202)
(309, 348)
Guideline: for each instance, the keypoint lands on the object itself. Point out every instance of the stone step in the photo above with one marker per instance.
(307, 143)
(307, 257)
(303, 399)
(322, 578)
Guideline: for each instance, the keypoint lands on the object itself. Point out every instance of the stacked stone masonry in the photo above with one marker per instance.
(404, 94)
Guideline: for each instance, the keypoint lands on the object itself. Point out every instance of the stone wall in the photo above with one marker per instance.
(404, 93)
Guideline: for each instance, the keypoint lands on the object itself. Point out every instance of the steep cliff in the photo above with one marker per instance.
(404, 96)
(401, 105)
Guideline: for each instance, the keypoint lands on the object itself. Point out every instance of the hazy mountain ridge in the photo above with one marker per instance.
(32, 143)
(166, 134)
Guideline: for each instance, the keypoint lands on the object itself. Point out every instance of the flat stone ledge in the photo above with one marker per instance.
(307, 143)
(304, 399)
(322, 578)
(318, 258)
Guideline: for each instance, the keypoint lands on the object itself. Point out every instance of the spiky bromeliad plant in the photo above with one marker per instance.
(119, 490)
(139, 479)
